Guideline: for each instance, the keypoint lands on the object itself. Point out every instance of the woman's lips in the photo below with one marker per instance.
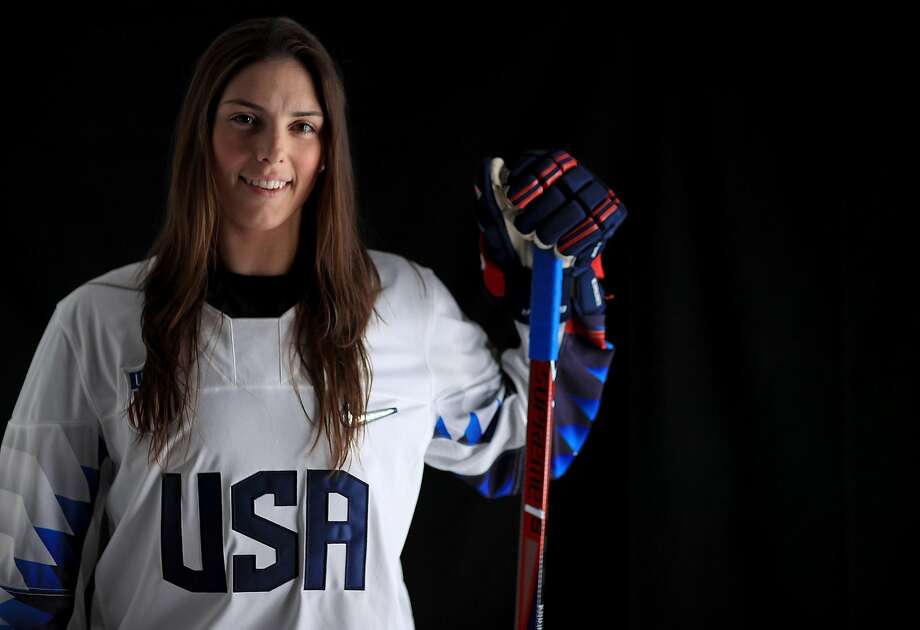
(263, 191)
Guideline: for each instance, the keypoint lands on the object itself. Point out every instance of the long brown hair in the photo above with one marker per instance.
(343, 282)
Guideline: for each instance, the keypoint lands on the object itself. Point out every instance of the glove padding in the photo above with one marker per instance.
(547, 198)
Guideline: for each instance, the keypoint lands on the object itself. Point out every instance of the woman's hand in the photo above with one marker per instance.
(546, 198)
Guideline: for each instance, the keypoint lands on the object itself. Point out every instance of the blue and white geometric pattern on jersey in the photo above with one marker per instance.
(581, 371)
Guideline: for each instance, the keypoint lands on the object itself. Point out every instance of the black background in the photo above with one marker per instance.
(750, 462)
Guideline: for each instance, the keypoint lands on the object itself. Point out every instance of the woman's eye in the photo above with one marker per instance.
(308, 126)
(242, 116)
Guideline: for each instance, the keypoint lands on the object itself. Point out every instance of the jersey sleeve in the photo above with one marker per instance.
(49, 471)
(479, 396)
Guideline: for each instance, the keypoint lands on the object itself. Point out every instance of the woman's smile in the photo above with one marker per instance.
(266, 192)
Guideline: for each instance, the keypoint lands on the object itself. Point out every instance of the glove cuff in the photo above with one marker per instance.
(587, 297)
(509, 290)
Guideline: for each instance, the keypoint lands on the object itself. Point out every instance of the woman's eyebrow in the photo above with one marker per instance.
(239, 101)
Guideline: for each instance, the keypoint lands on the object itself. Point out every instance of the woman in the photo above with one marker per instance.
(257, 325)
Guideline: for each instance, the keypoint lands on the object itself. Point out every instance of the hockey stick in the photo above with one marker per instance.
(545, 299)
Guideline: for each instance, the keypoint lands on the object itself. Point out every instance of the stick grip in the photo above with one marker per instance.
(545, 301)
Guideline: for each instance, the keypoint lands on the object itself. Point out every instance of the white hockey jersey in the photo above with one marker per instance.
(247, 528)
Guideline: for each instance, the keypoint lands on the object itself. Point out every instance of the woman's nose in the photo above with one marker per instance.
(270, 146)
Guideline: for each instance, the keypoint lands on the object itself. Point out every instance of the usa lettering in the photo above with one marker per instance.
(282, 485)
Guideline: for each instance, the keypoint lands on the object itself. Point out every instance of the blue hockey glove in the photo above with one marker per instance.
(549, 198)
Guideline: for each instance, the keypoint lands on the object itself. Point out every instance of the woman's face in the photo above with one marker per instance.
(267, 127)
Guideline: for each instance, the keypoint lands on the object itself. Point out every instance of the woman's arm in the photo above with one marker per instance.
(479, 405)
(50, 459)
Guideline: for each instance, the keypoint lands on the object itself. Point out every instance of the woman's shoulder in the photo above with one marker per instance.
(127, 277)
(393, 262)
(401, 274)
(115, 294)
(101, 320)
